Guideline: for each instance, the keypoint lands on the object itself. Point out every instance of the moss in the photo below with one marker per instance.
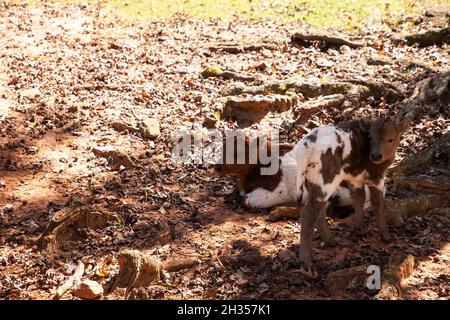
(211, 71)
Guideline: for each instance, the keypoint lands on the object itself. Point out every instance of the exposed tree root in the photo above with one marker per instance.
(430, 37)
(310, 108)
(347, 278)
(413, 162)
(356, 277)
(237, 48)
(300, 38)
(393, 276)
(272, 97)
(397, 210)
(116, 158)
(431, 95)
(139, 270)
(438, 184)
(250, 109)
(65, 223)
(227, 74)
(362, 88)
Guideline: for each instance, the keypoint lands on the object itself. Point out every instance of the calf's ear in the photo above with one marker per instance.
(403, 125)
(364, 125)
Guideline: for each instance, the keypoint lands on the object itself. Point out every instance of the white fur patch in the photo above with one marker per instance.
(304, 161)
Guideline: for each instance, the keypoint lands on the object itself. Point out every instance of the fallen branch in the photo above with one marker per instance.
(300, 38)
(72, 281)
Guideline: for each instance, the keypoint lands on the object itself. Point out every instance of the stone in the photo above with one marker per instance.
(322, 62)
(150, 128)
(31, 94)
(88, 290)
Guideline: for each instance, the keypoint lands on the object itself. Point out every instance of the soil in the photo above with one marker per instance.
(91, 71)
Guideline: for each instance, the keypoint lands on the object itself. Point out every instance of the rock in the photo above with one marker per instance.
(31, 94)
(88, 290)
(286, 255)
(379, 61)
(322, 62)
(438, 11)
(150, 128)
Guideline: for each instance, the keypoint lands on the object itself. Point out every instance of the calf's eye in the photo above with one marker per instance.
(391, 140)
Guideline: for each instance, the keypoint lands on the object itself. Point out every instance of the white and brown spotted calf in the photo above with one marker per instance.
(354, 154)
(276, 191)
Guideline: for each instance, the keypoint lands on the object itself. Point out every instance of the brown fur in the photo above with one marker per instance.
(374, 145)
(249, 175)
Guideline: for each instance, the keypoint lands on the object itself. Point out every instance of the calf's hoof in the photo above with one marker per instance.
(308, 270)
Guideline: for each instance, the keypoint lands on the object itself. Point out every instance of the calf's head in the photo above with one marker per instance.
(384, 137)
(234, 158)
(242, 154)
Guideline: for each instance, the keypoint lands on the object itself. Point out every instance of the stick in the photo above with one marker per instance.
(71, 281)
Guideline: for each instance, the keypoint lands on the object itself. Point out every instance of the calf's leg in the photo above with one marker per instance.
(377, 200)
(358, 196)
(325, 233)
(283, 213)
(310, 213)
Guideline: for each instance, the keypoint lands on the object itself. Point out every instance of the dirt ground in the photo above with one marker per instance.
(89, 71)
